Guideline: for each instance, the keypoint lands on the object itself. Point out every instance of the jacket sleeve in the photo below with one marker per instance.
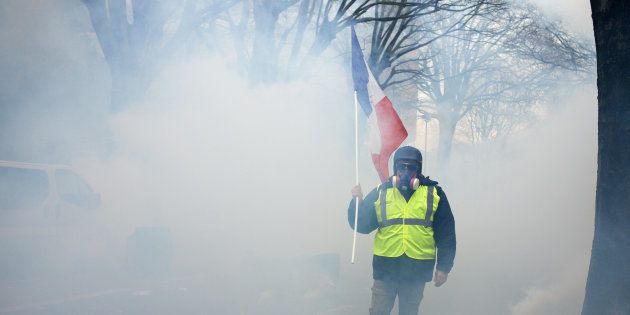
(444, 233)
(367, 221)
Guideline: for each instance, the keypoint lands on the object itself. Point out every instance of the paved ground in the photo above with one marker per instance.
(117, 294)
(123, 293)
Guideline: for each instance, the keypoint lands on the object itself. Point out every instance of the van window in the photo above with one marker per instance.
(22, 188)
(71, 187)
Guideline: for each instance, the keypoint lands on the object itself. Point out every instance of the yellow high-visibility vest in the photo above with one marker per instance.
(406, 227)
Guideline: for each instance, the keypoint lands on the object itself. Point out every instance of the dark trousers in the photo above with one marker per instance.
(384, 294)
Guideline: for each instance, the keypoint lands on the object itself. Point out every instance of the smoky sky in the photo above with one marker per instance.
(575, 14)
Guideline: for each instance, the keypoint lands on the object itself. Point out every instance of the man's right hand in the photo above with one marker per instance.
(356, 192)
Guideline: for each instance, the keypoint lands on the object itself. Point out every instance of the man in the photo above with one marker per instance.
(414, 226)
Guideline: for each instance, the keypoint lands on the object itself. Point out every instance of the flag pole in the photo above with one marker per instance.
(356, 173)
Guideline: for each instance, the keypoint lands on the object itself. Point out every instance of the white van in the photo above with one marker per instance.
(47, 218)
(32, 194)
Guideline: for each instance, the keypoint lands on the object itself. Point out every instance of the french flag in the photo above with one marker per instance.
(386, 130)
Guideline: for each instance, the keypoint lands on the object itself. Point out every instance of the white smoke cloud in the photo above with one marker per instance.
(243, 177)
(563, 295)
(524, 214)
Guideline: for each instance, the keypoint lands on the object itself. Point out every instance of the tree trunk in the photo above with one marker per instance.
(608, 284)
(326, 34)
(264, 57)
(447, 131)
(122, 45)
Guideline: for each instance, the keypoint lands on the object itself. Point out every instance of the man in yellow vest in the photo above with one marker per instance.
(415, 229)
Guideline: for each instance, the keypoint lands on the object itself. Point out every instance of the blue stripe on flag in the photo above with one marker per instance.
(360, 75)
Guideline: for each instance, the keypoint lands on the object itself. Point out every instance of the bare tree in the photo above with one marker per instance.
(492, 65)
(401, 29)
(496, 119)
(135, 39)
(290, 34)
(287, 34)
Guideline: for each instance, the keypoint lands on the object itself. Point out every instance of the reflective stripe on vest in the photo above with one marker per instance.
(426, 222)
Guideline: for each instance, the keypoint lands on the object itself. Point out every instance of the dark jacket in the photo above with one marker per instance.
(405, 268)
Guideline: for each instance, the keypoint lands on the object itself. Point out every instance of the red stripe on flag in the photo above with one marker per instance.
(393, 133)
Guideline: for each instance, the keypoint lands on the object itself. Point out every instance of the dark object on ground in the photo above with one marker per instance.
(150, 250)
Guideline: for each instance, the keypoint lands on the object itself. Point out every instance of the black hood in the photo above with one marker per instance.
(408, 153)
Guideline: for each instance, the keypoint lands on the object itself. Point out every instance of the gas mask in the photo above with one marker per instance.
(407, 179)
